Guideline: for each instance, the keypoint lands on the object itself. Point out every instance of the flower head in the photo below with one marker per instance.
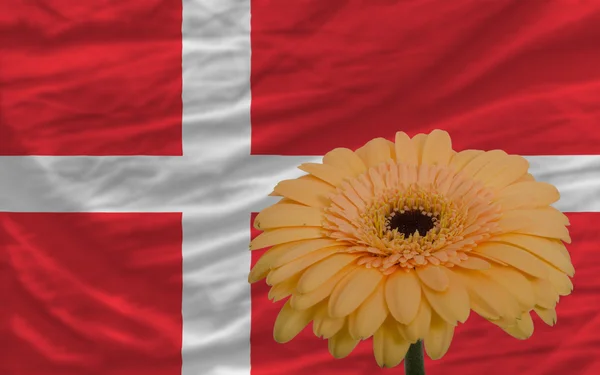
(401, 240)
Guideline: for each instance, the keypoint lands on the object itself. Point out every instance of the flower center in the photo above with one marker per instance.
(404, 216)
(410, 222)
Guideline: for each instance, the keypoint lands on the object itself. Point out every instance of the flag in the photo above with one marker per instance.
(139, 138)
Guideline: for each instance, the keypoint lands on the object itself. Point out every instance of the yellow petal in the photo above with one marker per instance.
(328, 173)
(438, 339)
(341, 344)
(311, 192)
(300, 249)
(325, 326)
(403, 295)
(548, 316)
(461, 159)
(426, 175)
(526, 178)
(352, 290)
(438, 148)
(405, 149)
(345, 159)
(259, 272)
(514, 256)
(527, 195)
(482, 160)
(489, 299)
(546, 295)
(564, 219)
(371, 314)
(502, 171)
(304, 301)
(561, 282)
(443, 180)
(515, 167)
(515, 283)
(351, 194)
(290, 323)
(389, 172)
(565, 253)
(389, 346)
(536, 221)
(488, 259)
(352, 325)
(375, 152)
(419, 142)
(408, 174)
(482, 308)
(459, 188)
(264, 263)
(434, 277)
(292, 268)
(377, 178)
(286, 201)
(547, 249)
(284, 235)
(453, 304)
(474, 263)
(283, 289)
(418, 328)
(288, 215)
(319, 273)
(523, 329)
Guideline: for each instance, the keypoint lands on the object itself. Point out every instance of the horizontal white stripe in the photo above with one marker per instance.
(223, 183)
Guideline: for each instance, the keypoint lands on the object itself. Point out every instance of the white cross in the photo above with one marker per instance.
(216, 184)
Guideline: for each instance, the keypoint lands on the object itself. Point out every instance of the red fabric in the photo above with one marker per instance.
(93, 294)
(478, 347)
(517, 75)
(93, 77)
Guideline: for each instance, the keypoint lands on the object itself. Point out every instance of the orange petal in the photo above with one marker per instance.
(403, 295)
(345, 159)
(353, 290)
(406, 152)
(375, 152)
(434, 277)
(437, 149)
(285, 235)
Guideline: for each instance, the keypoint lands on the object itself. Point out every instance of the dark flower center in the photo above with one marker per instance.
(410, 222)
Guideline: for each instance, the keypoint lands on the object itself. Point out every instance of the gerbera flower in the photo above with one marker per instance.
(400, 241)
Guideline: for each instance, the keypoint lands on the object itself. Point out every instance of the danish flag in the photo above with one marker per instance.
(137, 137)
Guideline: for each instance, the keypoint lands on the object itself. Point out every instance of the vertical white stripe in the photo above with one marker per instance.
(216, 120)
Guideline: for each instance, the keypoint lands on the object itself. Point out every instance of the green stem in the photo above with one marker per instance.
(413, 361)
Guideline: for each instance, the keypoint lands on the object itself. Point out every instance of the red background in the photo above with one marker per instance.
(521, 76)
(90, 293)
(93, 77)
